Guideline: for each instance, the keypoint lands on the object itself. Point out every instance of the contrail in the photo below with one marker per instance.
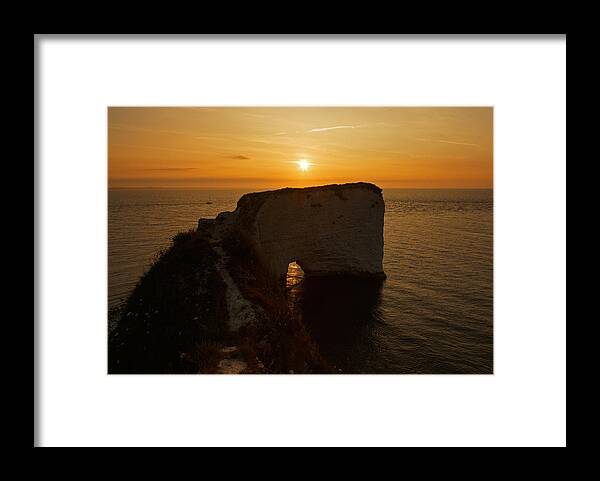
(457, 143)
(447, 142)
(333, 128)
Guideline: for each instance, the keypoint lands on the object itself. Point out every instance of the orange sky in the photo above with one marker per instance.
(227, 147)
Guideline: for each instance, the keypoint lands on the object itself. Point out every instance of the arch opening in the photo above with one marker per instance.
(295, 274)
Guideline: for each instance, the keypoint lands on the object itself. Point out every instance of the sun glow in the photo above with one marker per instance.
(303, 165)
(270, 148)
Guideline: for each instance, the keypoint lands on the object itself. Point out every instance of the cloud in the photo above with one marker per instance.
(171, 169)
(256, 116)
(322, 129)
(447, 142)
(239, 157)
(335, 127)
(457, 143)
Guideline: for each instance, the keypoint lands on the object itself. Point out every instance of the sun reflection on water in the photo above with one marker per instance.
(295, 275)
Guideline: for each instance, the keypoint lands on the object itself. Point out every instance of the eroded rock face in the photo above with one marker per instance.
(328, 230)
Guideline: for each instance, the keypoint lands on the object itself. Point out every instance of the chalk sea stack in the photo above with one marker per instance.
(328, 230)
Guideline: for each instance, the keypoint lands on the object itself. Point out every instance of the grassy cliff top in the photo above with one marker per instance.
(334, 187)
(249, 204)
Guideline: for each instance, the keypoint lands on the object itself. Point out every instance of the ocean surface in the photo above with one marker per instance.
(433, 314)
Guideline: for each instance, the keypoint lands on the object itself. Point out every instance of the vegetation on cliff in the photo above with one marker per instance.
(279, 340)
(176, 319)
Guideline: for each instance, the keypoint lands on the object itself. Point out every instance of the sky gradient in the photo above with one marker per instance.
(230, 147)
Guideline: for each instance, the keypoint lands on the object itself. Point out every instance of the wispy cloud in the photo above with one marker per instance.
(457, 143)
(157, 147)
(130, 128)
(239, 157)
(297, 162)
(335, 127)
(447, 142)
(172, 169)
(256, 116)
(321, 129)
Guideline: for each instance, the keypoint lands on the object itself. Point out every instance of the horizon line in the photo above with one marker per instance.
(286, 187)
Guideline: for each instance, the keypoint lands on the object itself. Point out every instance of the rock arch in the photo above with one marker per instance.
(328, 230)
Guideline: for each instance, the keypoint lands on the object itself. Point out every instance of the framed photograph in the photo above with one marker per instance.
(300, 241)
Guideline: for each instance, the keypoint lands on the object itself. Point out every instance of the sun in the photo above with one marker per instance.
(303, 164)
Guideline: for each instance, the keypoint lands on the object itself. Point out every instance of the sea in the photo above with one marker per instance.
(433, 314)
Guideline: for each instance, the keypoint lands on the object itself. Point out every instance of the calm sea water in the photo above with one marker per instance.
(433, 313)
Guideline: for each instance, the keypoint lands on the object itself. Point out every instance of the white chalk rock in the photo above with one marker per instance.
(328, 230)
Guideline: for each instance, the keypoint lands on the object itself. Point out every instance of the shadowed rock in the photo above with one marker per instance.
(328, 230)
